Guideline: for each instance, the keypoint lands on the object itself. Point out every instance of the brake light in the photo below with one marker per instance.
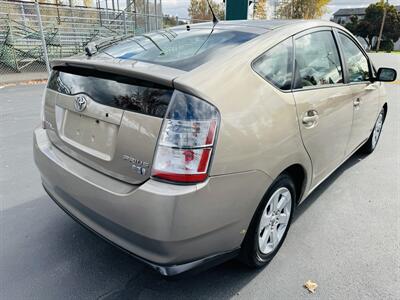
(186, 141)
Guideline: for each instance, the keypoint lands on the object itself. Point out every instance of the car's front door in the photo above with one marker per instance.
(324, 102)
(365, 93)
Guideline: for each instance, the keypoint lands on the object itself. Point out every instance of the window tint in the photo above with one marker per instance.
(317, 60)
(356, 62)
(178, 47)
(113, 90)
(276, 65)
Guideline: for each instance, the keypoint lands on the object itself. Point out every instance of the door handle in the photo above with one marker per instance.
(310, 119)
(356, 102)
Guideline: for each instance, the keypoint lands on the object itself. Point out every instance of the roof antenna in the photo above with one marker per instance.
(215, 22)
(215, 19)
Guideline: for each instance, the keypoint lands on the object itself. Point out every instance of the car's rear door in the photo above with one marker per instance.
(324, 102)
(364, 92)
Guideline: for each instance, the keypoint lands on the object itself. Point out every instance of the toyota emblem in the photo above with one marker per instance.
(80, 103)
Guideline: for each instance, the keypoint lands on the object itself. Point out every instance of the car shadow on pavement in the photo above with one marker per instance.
(102, 262)
(222, 282)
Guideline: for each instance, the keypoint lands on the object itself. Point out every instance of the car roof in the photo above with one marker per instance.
(261, 26)
(265, 24)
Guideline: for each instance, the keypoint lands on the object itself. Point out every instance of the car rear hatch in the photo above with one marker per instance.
(108, 114)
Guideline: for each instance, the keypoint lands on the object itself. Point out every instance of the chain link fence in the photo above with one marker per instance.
(31, 34)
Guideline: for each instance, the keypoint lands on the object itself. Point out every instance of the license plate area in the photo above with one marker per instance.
(88, 134)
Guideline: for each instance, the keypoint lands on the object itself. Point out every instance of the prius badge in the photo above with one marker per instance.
(138, 165)
(80, 103)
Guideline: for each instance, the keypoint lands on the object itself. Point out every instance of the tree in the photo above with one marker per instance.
(199, 10)
(260, 12)
(170, 21)
(353, 24)
(369, 27)
(303, 9)
(88, 3)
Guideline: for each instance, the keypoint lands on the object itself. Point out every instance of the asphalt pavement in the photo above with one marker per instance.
(345, 236)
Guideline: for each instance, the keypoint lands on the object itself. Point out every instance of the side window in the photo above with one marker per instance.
(276, 65)
(356, 62)
(317, 60)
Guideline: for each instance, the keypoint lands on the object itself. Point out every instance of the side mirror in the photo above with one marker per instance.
(386, 75)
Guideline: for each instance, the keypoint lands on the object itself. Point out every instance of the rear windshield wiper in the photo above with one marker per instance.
(170, 33)
(137, 42)
(174, 34)
(154, 42)
(93, 47)
(164, 35)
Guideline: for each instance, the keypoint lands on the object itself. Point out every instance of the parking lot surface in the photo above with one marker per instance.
(345, 236)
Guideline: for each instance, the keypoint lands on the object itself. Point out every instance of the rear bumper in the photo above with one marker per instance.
(166, 270)
(172, 228)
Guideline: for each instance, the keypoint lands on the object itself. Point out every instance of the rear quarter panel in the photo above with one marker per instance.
(259, 128)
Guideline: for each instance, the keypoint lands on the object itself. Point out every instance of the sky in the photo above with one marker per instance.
(179, 7)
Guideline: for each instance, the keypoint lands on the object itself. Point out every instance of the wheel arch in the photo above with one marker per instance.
(385, 107)
(299, 176)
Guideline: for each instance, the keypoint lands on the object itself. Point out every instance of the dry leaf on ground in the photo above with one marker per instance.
(311, 286)
(32, 82)
(7, 85)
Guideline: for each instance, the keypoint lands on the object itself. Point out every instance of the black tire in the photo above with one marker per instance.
(371, 143)
(250, 253)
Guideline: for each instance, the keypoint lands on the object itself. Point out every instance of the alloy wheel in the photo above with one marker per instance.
(274, 220)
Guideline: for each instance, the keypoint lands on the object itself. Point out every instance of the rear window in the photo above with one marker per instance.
(179, 48)
(113, 90)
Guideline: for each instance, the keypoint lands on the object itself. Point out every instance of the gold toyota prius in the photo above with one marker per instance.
(194, 144)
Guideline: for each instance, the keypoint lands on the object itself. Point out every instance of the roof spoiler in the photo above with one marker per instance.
(139, 70)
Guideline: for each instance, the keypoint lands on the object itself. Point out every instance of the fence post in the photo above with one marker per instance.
(148, 28)
(44, 46)
(124, 19)
(23, 13)
(98, 7)
(10, 30)
(161, 16)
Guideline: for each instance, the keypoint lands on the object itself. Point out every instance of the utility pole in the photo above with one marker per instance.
(382, 25)
(42, 37)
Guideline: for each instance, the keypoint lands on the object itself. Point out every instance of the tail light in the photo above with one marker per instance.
(186, 141)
